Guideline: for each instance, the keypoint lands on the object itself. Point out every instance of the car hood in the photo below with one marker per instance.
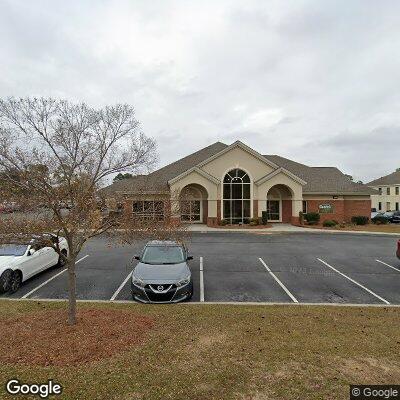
(7, 262)
(161, 273)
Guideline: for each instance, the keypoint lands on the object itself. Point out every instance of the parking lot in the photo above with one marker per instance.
(247, 267)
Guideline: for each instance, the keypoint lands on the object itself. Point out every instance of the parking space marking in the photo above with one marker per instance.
(279, 282)
(396, 269)
(352, 280)
(201, 280)
(120, 287)
(49, 280)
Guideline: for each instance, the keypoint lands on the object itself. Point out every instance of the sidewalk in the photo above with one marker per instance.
(282, 228)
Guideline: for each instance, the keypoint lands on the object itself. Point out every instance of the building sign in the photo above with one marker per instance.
(326, 209)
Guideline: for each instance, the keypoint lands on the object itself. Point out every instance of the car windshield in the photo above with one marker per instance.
(13, 249)
(163, 255)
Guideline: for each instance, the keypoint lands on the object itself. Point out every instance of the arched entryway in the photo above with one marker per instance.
(193, 204)
(279, 204)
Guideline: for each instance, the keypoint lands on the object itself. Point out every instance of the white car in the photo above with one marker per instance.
(19, 262)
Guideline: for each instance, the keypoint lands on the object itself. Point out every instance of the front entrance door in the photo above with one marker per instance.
(191, 211)
(273, 210)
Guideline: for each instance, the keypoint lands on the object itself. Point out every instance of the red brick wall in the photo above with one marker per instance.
(255, 208)
(205, 211)
(338, 208)
(286, 211)
(343, 209)
(357, 207)
(218, 210)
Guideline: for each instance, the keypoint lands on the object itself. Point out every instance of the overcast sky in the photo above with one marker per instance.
(315, 81)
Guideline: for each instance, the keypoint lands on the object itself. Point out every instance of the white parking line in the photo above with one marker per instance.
(352, 280)
(279, 282)
(396, 269)
(120, 287)
(201, 280)
(49, 280)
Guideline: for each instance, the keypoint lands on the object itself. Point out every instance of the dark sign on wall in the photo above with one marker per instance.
(326, 209)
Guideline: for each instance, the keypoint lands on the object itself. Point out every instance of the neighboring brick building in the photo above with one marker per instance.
(237, 183)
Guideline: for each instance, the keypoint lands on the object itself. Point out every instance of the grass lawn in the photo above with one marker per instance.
(200, 352)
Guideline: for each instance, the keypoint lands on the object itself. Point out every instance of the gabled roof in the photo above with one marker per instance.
(158, 180)
(278, 171)
(199, 171)
(319, 180)
(322, 180)
(242, 146)
(391, 179)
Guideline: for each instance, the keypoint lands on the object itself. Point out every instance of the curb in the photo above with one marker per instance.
(311, 231)
(208, 303)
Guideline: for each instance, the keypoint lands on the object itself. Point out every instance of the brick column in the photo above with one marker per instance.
(255, 208)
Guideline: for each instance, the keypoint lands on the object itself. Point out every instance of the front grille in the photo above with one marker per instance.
(161, 296)
(164, 285)
(156, 295)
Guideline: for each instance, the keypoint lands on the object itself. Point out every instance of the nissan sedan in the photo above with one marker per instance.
(162, 274)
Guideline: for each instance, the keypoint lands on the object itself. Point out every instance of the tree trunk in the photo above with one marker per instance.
(71, 292)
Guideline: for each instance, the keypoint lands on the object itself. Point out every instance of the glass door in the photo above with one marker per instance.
(191, 211)
(273, 210)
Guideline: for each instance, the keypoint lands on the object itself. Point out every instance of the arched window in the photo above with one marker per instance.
(236, 196)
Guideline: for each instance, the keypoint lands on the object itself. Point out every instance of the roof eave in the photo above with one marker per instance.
(276, 172)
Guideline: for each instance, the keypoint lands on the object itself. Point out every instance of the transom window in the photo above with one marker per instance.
(236, 196)
(148, 209)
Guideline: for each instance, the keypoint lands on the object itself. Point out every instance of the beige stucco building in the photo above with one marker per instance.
(236, 183)
(387, 197)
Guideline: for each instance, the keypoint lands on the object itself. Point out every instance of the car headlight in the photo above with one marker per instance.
(138, 282)
(184, 282)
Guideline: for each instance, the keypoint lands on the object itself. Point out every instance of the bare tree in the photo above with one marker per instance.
(54, 156)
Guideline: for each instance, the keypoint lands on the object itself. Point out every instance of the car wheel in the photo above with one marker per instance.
(191, 293)
(5, 280)
(16, 281)
(61, 260)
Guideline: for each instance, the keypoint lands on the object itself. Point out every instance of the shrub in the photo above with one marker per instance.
(254, 221)
(223, 222)
(312, 218)
(329, 223)
(360, 220)
(301, 217)
(264, 218)
(380, 220)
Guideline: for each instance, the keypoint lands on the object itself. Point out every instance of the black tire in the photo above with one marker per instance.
(5, 281)
(191, 293)
(61, 260)
(16, 281)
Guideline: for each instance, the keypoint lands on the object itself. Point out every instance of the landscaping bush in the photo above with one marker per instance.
(329, 223)
(264, 218)
(254, 221)
(360, 220)
(223, 222)
(301, 217)
(380, 220)
(312, 218)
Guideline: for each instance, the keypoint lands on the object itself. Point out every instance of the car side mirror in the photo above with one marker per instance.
(136, 257)
(32, 251)
(189, 258)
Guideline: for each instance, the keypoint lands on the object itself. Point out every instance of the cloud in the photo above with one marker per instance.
(310, 80)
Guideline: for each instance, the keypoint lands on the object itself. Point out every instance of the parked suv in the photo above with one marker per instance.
(162, 274)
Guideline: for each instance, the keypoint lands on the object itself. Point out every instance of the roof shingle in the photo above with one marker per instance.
(391, 179)
(320, 180)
